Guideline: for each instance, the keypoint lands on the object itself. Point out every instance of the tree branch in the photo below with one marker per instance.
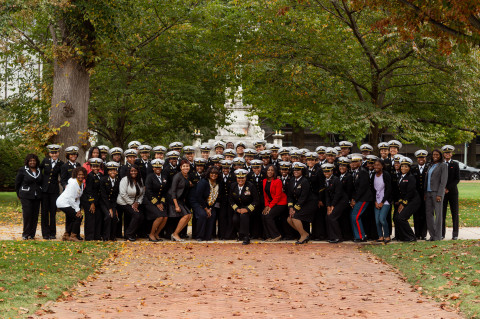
(31, 44)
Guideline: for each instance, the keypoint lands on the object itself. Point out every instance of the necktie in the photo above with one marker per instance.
(146, 164)
(240, 190)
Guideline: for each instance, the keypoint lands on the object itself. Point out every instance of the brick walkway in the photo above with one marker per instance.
(171, 280)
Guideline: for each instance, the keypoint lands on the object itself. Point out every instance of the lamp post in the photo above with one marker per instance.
(278, 138)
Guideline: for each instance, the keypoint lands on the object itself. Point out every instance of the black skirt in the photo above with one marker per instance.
(308, 210)
(152, 212)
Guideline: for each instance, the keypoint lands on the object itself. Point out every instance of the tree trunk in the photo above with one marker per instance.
(472, 152)
(69, 111)
(374, 137)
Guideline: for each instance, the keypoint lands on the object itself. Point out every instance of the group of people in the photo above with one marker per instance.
(267, 193)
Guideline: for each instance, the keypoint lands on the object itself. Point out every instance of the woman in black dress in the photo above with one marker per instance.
(28, 185)
(301, 206)
(155, 200)
(178, 193)
(407, 204)
(205, 204)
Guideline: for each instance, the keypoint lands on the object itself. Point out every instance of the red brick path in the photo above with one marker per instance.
(257, 281)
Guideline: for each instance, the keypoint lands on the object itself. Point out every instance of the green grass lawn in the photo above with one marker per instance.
(448, 271)
(34, 272)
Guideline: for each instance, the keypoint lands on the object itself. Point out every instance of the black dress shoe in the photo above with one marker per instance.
(53, 237)
(335, 241)
(454, 238)
(46, 238)
(246, 241)
(303, 241)
(79, 237)
(25, 238)
(132, 239)
(152, 240)
(358, 240)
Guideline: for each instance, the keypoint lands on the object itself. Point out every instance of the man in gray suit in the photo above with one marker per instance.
(437, 177)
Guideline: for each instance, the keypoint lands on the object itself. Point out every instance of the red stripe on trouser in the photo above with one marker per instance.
(356, 219)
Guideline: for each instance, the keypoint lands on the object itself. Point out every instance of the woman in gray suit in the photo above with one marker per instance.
(178, 196)
(436, 181)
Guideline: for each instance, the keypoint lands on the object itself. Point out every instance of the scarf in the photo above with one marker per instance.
(213, 194)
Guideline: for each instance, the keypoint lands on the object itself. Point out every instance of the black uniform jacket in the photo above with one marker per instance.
(92, 189)
(362, 191)
(108, 193)
(27, 184)
(66, 172)
(248, 198)
(334, 192)
(50, 182)
(407, 189)
(299, 195)
(156, 192)
(347, 184)
(453, 177)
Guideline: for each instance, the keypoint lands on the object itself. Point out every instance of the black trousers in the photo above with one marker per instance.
(109, 223)
(452, 199)
(30, 211)
(241, 224)
(225, 222)
(420, 220)
(333, 221)
(123, 222)
(49, 213)
(346, 224)
(136, 219)
(204, 225)
(369, 224)
(319, 224)
(72, 222)
(269, 221)
(403, 231)
(256, 226)
(93, 223)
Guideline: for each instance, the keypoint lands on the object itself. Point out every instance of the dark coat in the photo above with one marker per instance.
(334, 192)
(421, 178)
(155, 192)
(362, 192)
(248, 198)
(347, 184)
(66, 172)
(453, 177)
(407, 188)
(50, 181)
(144, 171)
(27, 184)
(109, 194)
(202, 192)
(91, 194)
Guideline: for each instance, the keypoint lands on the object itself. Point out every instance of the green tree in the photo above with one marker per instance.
(320, 65)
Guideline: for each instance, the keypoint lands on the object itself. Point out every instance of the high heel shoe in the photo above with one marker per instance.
(303, 241)
(152, 240)
(176, 239)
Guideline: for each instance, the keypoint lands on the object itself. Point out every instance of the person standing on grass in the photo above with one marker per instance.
(407, 204)
(436, 181)
(382, 186)
(451, 191)
(69, 203)
(28, 186)
(50, 168)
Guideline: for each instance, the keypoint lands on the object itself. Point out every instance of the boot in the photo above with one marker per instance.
(65, 236)
(73, 237)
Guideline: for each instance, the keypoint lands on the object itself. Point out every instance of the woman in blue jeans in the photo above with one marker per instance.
(382, 186)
